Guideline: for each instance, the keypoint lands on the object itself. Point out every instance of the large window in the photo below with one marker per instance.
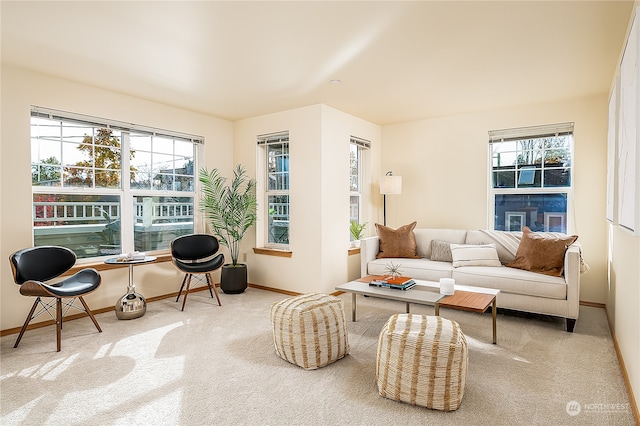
(357, 150)
(531, 178)
(102, 187)
(275, 152)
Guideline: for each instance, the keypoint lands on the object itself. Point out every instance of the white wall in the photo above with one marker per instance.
(624, 301)
(337, 127)
(443, 163)
(319, 173)
(22, 89)
(623, 297)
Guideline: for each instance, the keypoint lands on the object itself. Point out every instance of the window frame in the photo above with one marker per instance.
(523, 134)
(264, 141)
(362, 150)
(126, 195)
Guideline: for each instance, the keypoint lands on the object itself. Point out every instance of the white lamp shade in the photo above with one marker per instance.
(391, 184)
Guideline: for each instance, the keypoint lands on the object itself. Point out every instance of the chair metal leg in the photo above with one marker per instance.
(186, 293)
(86, 308)
(26, 322)
(211, 284)
(58, 323)
(184, 280)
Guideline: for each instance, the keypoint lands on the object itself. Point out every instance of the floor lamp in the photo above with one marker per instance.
(389, 184)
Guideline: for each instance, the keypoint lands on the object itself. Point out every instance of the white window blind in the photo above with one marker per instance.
(532, 132)
(88, 120)
(269, 138)
(360, 142)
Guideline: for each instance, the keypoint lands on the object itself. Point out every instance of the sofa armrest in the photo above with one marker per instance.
(369, 248)
(572, 277)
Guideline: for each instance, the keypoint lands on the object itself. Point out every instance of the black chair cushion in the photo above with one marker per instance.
(81, 283)
(200, 267)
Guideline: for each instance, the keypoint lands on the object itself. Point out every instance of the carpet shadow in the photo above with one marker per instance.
(49, 380)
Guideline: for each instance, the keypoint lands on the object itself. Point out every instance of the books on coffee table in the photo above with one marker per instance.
(398, 280)
(388, 283)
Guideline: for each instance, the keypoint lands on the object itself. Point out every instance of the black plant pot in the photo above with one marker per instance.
(233, 279)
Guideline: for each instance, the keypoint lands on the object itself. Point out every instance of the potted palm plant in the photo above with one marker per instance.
(230, 210)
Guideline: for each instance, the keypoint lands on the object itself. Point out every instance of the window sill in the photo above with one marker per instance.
(272, 252)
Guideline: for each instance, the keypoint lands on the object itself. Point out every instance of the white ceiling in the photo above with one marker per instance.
(397, 61)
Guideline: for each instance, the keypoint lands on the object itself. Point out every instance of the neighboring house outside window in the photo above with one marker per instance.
(357, 166)
(531, 178)
(274, 151)
(83, 196)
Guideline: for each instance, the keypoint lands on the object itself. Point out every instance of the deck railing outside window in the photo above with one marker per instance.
(92, 228)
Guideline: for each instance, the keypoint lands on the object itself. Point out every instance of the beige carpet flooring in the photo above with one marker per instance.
(215, 365)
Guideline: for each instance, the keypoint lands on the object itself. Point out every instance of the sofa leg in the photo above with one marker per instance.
(571, 322)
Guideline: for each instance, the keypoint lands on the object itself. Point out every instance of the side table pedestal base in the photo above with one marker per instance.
(131, 305)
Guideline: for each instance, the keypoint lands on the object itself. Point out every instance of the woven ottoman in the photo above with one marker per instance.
(422, 360)
(310, 330)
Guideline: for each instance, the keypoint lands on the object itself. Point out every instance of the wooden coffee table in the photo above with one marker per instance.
(473, 302)
(465, 298)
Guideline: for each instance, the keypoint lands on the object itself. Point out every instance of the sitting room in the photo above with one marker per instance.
(476, 129)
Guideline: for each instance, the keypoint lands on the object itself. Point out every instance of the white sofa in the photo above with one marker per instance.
(520, 290)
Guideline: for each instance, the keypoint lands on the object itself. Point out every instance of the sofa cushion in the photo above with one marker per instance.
(542, 252)
(441, 251)
(419, 269)
(399, 242)
(424, 237)
(474, 255)
(513, 281)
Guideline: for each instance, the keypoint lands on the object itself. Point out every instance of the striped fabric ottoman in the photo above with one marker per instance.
(422, 360)
(310, 330)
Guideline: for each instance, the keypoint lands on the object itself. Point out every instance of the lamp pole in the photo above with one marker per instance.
(384, 209)
(389, 184)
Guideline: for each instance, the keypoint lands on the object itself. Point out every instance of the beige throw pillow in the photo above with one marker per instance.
(542, 253)
(399, 242)
(474, 255)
